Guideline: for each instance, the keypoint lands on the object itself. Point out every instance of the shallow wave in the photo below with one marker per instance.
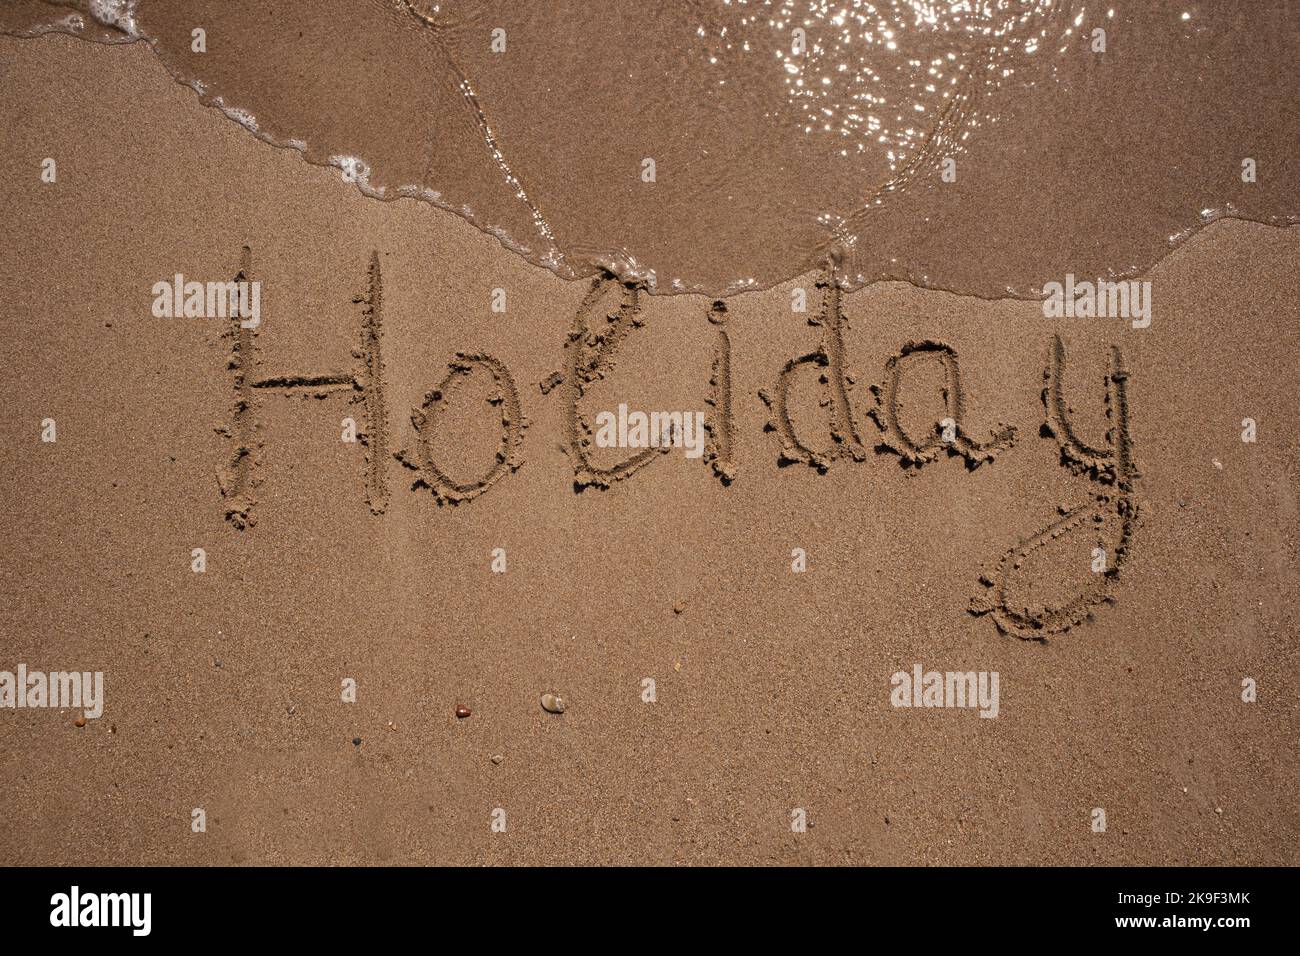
(984, 148)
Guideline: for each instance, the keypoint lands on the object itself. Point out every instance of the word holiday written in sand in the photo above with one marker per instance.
(590, 347)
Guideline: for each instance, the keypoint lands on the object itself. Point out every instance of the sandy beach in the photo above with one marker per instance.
(723, 628)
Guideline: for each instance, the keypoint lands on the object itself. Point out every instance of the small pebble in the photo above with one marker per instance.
(497, 758)
(79, 722)
(356, 741)
(1218, 810)
(462, 711)
(679, 607)
(552, 704)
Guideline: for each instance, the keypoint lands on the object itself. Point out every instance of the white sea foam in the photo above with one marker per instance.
(116, 13)
(242, 117)
(356, 171)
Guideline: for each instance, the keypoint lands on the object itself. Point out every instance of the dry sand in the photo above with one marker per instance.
(222, 689)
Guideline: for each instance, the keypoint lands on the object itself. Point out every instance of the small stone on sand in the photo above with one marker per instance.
(462, 711)
(79, 722)
(552, 704)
